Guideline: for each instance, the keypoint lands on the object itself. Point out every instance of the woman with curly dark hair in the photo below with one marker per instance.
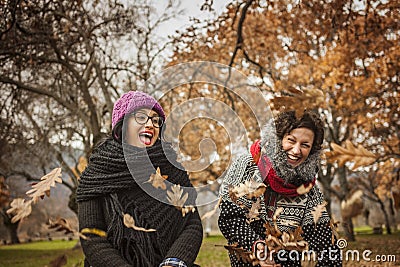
(286, 160)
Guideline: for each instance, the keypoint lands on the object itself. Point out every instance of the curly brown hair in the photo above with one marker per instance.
(287, 121)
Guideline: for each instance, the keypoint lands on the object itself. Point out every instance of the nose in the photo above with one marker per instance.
(296, 149)
(148, 123)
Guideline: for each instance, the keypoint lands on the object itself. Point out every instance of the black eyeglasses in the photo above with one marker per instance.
(143, 118)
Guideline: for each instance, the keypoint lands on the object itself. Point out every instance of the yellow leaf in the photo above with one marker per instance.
(94, 231)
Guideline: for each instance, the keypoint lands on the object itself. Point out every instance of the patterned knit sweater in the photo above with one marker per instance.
(296, 212)
(107, 191)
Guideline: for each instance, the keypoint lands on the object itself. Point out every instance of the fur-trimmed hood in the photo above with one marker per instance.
(271, 145)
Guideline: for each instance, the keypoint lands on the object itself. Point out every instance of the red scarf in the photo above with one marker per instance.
(270, 177)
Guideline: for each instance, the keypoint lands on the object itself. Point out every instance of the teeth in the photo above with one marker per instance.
(293, 157)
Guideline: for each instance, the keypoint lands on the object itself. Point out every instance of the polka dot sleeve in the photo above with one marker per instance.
(233, 225)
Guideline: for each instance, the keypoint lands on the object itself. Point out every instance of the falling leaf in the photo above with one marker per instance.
(130, 223)
(249, 189)
(61, 224)
(352, 205)
(254, 212)
(20, 209)
(186, 209)
(334, 225)
(317, 211)
(301, 190)
(175, 196)
(158, 180)
(349, 153)
(241, 254)
(213, 211)
(93, 231)
(42, 188)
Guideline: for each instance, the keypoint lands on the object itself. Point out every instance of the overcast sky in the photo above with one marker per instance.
(191, 9)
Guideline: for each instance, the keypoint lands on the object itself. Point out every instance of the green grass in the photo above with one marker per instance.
(212, 252)
(40, 254)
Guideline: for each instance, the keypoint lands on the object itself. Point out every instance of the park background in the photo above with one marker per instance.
(63, 64)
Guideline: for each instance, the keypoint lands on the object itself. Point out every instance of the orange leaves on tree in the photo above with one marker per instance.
(42, 188)
(20, 209)
(158, 180)
(298, 99)
(349, 153)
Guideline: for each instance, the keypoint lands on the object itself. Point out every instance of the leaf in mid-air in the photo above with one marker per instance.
(39, 190)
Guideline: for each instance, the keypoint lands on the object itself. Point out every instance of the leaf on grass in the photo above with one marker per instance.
(20, 209)
(130, 223)
(60, 225)
(59, 261)
(175, 196)
(349, 153)
(317, 211)
(213, 211)
(42, 188)
(157, 180)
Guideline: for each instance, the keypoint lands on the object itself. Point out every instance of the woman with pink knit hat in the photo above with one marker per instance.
(116, 184)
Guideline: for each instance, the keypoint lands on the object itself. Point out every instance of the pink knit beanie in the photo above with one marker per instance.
(132, 101)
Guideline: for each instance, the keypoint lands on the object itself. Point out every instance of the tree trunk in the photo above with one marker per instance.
(12, 228)
(387, 221)
(349, 230)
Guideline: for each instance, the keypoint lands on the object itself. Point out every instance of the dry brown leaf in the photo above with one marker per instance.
(20, 209)
(317, 211)
(213, 211)
(249, 189)
(301, 190)
(130, 223)
(352, 205)
(186, 209)
(175, 196)
(61, 224)
(241, 254)
(254, 212)
(335, 228)
(349, 153)
(42, 188)
(158, 180)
